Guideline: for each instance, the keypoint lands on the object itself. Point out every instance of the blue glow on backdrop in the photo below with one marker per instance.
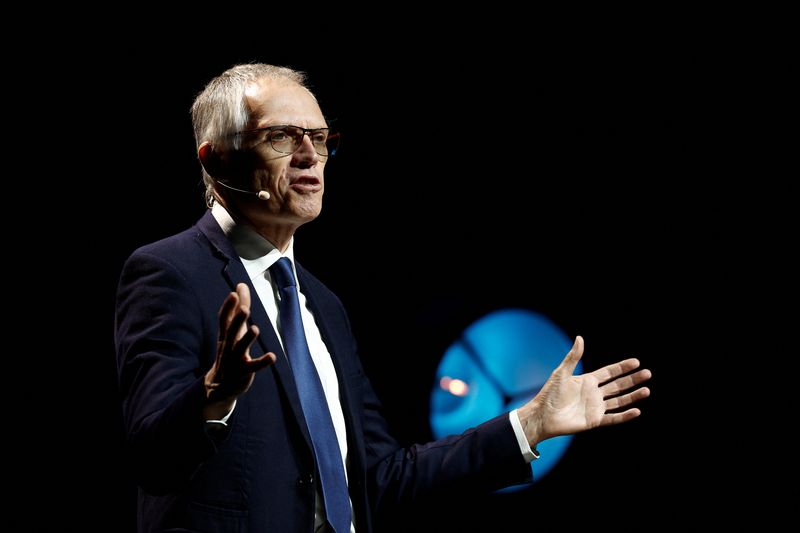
(499, 363)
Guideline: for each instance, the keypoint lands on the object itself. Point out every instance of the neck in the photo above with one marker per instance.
(280, 236)
(278, 232)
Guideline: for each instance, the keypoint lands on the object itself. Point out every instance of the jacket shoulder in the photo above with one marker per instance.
(186, 244)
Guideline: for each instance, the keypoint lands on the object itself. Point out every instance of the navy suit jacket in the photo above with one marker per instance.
(259, 474)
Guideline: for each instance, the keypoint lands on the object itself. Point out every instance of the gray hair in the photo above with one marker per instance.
(220, 109)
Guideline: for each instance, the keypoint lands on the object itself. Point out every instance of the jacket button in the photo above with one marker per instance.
(306, 480)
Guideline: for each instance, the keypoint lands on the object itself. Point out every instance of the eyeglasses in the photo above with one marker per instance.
(287, 139)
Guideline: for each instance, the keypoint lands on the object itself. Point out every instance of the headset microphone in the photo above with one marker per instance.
(261, 195)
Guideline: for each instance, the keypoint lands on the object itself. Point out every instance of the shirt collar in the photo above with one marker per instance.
(256, 252)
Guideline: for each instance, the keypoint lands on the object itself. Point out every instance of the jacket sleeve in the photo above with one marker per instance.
(160, 341)
(481, 459)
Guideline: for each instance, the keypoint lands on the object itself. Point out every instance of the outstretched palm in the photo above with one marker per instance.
(569, 404)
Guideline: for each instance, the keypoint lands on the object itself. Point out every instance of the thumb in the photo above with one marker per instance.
(573, 356)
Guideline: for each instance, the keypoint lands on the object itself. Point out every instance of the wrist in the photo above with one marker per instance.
(218, 401)
(531, 422)
(217, 410)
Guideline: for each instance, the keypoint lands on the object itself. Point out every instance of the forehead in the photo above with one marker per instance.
(282, 102)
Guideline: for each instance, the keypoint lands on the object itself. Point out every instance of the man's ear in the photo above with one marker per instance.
(210, 159)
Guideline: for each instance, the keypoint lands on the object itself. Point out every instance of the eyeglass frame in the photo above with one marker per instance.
(306, 131)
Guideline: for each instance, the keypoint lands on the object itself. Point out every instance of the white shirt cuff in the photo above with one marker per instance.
(528, 453)
(224, 420)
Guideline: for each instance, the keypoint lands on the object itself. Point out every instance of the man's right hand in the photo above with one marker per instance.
(233, 370)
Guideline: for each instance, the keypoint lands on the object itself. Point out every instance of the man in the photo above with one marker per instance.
(257, 415)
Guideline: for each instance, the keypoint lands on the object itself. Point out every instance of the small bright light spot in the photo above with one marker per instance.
(454, 386)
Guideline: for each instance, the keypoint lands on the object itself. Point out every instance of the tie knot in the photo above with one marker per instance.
(282, 273)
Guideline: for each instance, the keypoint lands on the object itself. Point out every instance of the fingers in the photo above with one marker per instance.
(612, 371)
(574, 355)
(234, 313)
(254, 365)
(244, 294)
(627, 399)
(237, 327)
(226, 311)
(242, 313)
(241, 346)
(624, 383)
(609, 419)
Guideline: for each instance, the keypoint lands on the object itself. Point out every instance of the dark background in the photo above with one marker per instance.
(578, 177)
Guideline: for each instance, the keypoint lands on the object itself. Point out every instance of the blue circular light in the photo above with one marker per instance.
(499, 363)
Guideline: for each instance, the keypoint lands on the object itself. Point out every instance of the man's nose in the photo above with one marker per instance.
(306, 155)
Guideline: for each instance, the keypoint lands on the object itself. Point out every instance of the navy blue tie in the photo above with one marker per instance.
(312, 399)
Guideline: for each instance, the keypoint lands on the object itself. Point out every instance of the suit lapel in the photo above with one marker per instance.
(235, 273)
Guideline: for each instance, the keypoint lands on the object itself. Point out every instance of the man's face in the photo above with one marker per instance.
(294, 180)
